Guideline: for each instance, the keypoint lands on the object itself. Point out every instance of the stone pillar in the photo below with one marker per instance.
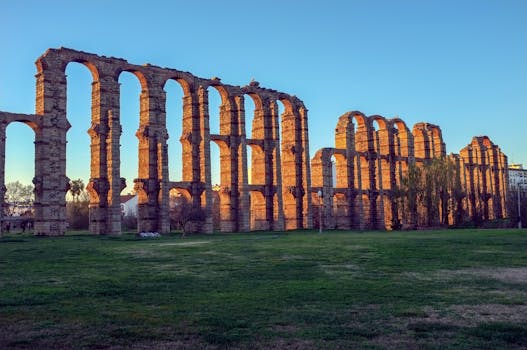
(292, 152)
(363, 145)
(306, 170)
(3, 188)
(157, 123)
(163, 218)
(241, 165)
(51, 183)
(104, 186)
(152, 190)
(276, 153)
(229, 143)
(115, 182)
(345, 145)
(385, 177)
(196, 152)
(322, 179)
(261, 167)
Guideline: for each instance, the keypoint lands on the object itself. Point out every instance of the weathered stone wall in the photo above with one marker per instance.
(278, 194)
(359, 178)
(484, 179)
(371, 155)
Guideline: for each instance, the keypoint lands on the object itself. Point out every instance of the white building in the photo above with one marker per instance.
(517, 177)
(129, 205)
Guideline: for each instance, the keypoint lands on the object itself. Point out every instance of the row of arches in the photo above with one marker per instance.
(361, 178)
(358, 176)
(277, 140)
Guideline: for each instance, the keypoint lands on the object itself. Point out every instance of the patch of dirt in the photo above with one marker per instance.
(502, 274)
(468, 315)
(168, 345)
(340, 269)
(184, 244)
(283, 344)
(472, 315)
(396, 341)
(287, 257)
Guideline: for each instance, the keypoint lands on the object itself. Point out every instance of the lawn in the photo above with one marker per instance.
(457, 289)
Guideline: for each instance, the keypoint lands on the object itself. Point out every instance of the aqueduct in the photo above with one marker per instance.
(280, 162)
(359, 177)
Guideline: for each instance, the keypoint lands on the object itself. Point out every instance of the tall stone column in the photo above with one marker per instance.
(345, 142)
(383, 205)
(152, 191)
(229, 141)
(306, 169)
(263, 167)
(158, 120)
(365, 164)
(290, 173)
(51, 183)
(276, 153)
(258, 172)
(196, 153)
(105, 183)
(241, 165)
(322, 179)
(291, 170)
(3, 188)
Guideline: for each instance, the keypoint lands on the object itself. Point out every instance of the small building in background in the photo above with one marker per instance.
(517, 177)
(129, 205)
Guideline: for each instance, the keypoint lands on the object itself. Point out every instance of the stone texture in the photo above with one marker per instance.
(484, 179)
(278, 194)
(370, 158)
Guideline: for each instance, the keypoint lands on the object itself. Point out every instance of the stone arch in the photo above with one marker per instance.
(403, 148)
(7, 119)
(421, 143)
(438, 145)
(255, 129)
(174, 122)
(383, 139)
(293, 155)
(234, 196)
(153, 183)
(403, 157)
(80, 78)
(259, 211)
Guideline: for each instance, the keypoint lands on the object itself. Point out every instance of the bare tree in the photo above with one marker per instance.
(185, 216)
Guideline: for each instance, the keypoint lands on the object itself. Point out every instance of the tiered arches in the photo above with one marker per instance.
(280, 142)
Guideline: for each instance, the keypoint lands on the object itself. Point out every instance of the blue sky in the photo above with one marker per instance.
(459, 64)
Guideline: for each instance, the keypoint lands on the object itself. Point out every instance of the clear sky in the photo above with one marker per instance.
(460, 64)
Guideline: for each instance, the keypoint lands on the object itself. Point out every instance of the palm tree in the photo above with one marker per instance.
(76, 188)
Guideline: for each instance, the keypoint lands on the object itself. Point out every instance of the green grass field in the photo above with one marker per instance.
(457, 289)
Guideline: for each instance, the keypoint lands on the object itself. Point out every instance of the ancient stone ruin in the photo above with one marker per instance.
(280, 178)
(370, 158)
(359, 177)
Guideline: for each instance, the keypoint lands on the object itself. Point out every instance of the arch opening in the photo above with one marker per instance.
(215, 115)
(129, 107)
(174, 124)
(79, 101)
(19, 196)
(129, 101)
(253, 130)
